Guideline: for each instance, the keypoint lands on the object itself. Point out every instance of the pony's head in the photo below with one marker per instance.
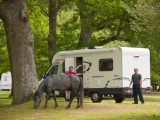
(36, 99)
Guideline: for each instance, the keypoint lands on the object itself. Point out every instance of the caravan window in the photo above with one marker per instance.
(54, 70)
(106, 64)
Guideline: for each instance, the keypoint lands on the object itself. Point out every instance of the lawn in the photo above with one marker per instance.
(106, 110)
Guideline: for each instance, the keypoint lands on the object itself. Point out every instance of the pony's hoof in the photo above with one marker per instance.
(55, 107)
(67, 107)
(35, 107)
(77, 107)
(44, 107)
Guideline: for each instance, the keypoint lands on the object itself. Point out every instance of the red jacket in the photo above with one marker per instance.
(70, 73)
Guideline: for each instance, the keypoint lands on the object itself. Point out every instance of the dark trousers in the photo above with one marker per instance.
(137, 92)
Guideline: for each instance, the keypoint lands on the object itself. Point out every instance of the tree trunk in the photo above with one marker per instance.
(20, 47)
(53, 10)
(86, 19)
(85, 37)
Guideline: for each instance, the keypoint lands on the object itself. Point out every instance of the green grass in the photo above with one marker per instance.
(106, 110)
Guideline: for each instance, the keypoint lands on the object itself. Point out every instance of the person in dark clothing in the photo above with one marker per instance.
(137, 85)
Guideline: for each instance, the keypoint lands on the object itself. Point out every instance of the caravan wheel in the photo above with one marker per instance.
(96, 97)
(119, 98)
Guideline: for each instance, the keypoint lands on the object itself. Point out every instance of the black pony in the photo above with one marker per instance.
(53, 83)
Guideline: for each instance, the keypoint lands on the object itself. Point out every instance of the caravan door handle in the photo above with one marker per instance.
(116, 75)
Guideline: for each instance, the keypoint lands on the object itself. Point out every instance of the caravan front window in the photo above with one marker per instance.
(106, 64)
(54, 70)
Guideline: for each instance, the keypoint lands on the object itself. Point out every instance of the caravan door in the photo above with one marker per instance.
(70, 62)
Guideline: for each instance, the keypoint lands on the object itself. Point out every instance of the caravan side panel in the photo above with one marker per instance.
(96, 78)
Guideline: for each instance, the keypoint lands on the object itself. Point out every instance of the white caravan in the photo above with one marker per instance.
(6, 81)
(105, 71)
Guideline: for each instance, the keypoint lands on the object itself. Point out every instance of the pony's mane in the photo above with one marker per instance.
(41, 85)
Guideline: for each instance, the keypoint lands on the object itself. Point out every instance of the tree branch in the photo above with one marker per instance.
(93, 14)
(60, 4)
(1, 13)
(3, 10)
(42, 9)
(115, 37)
(107, 22)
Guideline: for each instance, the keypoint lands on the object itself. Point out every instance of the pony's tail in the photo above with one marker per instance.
(81, 91)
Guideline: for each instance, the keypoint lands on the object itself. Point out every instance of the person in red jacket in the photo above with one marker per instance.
(70, 71)
(67, 93)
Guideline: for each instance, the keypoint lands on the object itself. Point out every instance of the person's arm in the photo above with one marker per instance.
(140, 80)
(130, 83)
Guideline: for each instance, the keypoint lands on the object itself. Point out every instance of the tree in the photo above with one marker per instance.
(20, 46)
(144, 30)
(43, 16)
(53, 9)
(96, 17)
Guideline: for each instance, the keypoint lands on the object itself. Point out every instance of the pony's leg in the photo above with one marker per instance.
(78, 100)
(46, 102)
(72, 97)
(55, 101)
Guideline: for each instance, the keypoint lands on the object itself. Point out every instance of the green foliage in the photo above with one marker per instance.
(155, 70)
(117, 44)
(39, 23)
(4, 59)
(68, 29)
(99, 36)
(155, 77)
